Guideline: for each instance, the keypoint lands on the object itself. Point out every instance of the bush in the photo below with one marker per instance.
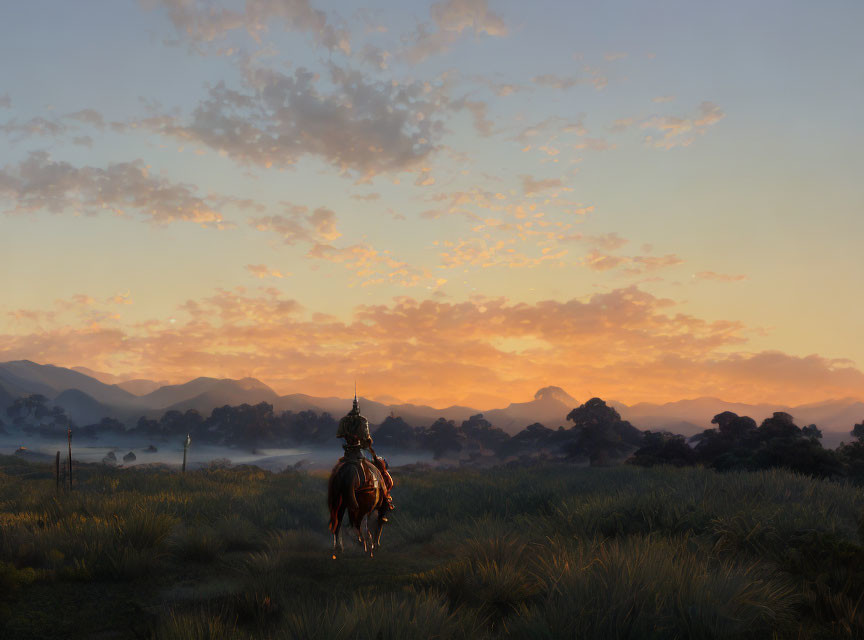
(646, 588)
(197, 543)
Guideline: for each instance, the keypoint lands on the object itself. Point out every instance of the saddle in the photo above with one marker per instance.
(368, 476)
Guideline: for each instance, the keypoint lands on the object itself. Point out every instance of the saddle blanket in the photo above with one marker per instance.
(368, 476)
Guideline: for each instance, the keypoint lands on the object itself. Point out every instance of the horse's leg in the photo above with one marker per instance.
(341, 517)
(337, 533)
(380, 526)
(357, 521)
(367, 535)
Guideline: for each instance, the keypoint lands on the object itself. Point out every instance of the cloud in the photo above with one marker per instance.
(317, 229)
(90, 117)
(532, 186)
(366, 197)
(661, 99)
(504, 89)
(625, 344)
(550, 130)
(207, 21)
(299, 224)
(371, 266)
(42, 184)
(356, 124)
(616, 55)
(375, 56)
(602, 242)
(682, 131)
(59, 126)
(719, 277)
(622, 124)
(119, 298)
(597, 260)
(263, 271)
(424, 178)
(5, 101)
(652, 263)
(35, 126)
(480, 114)
(590, 75)
(485, 253)
(552, 81)
(450, 19)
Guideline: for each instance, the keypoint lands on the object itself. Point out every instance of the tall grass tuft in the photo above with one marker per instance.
(416, 615)
(647, 587)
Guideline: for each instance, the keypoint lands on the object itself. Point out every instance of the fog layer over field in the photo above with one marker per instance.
(171, 454)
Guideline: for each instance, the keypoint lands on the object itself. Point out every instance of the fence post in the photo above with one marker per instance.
(69, 441)
(185, 449)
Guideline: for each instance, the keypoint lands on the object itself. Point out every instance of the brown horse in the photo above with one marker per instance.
(348, 490)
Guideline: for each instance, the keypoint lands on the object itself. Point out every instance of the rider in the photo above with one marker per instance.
(355, 429)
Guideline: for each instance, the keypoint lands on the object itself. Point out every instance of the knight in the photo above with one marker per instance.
(354, 428)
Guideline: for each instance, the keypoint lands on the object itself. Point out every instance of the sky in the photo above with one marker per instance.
(455, 202)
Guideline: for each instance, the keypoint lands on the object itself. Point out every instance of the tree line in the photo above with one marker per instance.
(594, 433)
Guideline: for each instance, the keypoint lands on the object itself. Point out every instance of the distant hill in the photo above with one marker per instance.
(87, 399)
(139, 386)
(82, 408)
(50, 381)
(101, 376)
(225, 392)
(6, 400)
(208, 391)
(549, 407)
(694, 415)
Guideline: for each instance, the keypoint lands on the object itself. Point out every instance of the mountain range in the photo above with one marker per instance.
(88, 396)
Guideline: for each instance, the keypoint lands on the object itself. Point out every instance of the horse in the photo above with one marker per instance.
(348, 490)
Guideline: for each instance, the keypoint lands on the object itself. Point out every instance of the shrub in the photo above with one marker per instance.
(197, 543)
(643, 587)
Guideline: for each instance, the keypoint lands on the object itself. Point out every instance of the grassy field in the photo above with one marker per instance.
(540, 552)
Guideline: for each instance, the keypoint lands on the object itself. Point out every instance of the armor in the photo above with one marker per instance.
(354, 428)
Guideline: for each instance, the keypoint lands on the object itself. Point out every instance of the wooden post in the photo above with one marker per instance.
(69, 441)
(185, 449)
(57, 470)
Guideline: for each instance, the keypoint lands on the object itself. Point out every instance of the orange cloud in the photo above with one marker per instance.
(719, 277)
(263, 271)
(625, 344)
(682, 131)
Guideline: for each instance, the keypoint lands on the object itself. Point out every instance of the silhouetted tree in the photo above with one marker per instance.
(105, 427)
(395, 433)
(601, 434)
(777, 442)
(308, 427)
(852, 454)
(443, 437)
(535, 438)
(780, 425)
(730, 445)
(479, 433)
(737, 428)
(26, 408)
(662, 447)
(812, 431)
